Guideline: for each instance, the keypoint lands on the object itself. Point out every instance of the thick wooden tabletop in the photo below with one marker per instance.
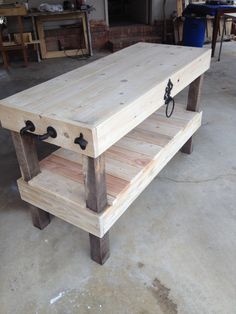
(105, 99)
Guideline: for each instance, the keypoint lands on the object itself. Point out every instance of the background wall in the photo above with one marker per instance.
(157, 9)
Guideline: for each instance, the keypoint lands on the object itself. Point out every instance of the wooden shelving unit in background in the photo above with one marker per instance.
(18, 11)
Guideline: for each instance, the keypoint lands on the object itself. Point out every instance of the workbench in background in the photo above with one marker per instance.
(38, 20)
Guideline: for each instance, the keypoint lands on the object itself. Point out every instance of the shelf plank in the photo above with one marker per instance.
(131, 164)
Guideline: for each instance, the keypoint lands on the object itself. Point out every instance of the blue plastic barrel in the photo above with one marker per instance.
(194, 31)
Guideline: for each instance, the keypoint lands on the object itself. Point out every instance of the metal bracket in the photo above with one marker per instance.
(168, 99)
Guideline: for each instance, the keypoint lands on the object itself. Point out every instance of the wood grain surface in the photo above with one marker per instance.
(105, 99)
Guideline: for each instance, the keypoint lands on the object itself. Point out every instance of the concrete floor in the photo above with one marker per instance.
(173, 251)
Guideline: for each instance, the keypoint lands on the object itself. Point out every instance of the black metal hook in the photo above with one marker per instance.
(169, 114)
(81, 141)
(51, 132)
(168, 99)
(29, 126)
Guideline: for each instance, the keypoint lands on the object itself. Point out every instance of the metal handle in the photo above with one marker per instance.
(51, 132)
(81, 141)
(29, 126)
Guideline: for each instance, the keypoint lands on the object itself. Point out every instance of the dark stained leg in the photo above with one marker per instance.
(99, 248)
(28, 161)
(215, 32)
(40, 218)
(96, 200)
(193, 105)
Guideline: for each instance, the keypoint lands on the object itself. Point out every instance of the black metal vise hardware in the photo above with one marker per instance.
(29, 126)
(168, 99)
(51, 132)
(81, 141)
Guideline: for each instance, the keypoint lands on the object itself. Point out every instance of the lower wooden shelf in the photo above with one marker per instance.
(131, 164)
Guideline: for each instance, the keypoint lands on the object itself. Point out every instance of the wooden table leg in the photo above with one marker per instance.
(89, 34)
(3, 51)
(222, 37)
(215, 32)
(24, 48)
(193, 105)
(29, 165)
(96, 200)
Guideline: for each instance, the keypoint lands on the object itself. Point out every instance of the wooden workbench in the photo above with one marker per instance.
(38, 20)
(110, 123)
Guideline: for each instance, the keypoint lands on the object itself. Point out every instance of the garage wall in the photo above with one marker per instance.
(99, 5)
(157, 14)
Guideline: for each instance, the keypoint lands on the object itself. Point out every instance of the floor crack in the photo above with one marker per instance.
(200, 180)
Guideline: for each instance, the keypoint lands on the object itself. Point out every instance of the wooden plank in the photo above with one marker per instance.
(65, 53)
(85, 32)
(66, 133)
(21, 29)
(41, 36)
(70, 204)
(112, 214)
(73, 170)
(27, 155)
(29, 166)
(56, 204)
(95, 98)
(193, 105)
(13, 11)
(179, 7)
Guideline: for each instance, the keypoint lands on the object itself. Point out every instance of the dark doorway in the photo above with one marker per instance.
(126, 12)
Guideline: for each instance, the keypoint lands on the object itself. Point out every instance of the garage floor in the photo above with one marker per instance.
(173, 251)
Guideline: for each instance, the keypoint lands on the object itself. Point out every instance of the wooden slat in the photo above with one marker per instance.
(72, 170)
(127, 86)
(110, 216)
(148, 158)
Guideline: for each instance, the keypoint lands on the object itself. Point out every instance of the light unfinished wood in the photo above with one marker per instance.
(19, 10)
(65, 198)
(127, 86)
